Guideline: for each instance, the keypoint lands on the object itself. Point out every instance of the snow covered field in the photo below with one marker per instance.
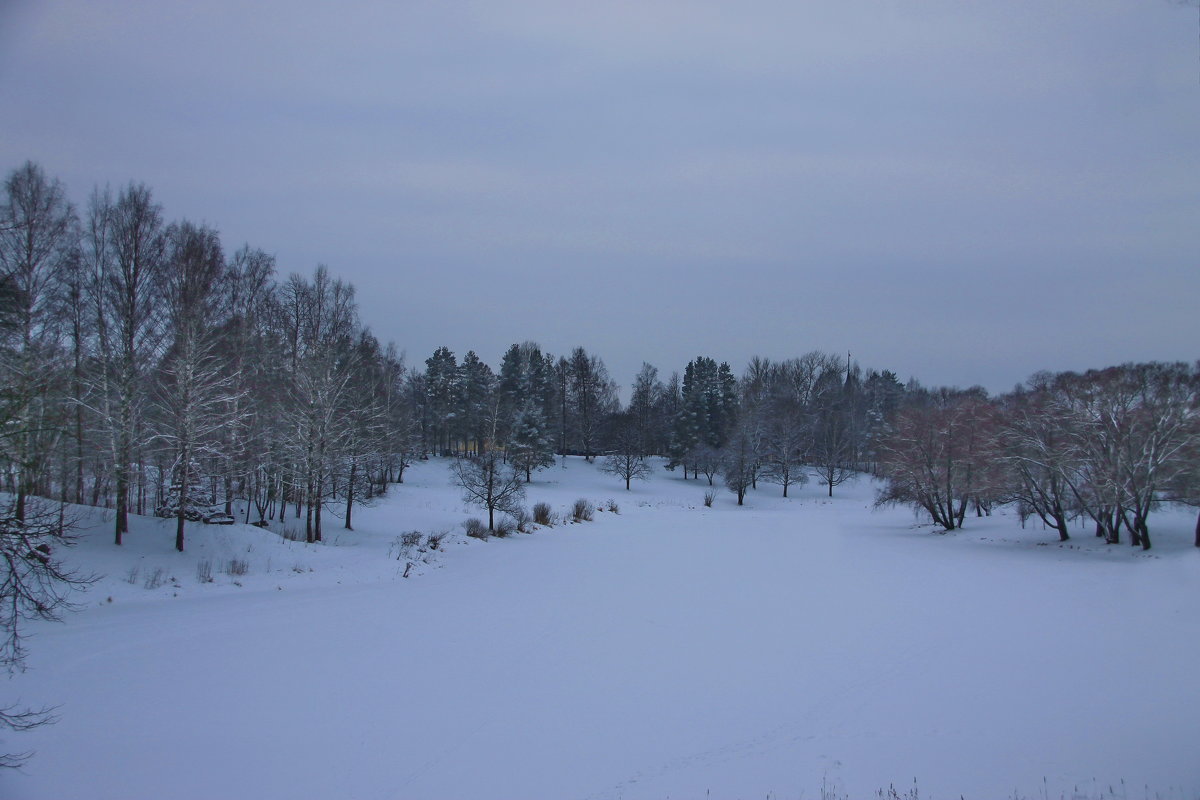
(665, 651)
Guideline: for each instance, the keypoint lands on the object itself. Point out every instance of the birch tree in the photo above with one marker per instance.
(127, 248)
(38, 238)
(193, 388)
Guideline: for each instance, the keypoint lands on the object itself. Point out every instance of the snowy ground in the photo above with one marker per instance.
(667, 651)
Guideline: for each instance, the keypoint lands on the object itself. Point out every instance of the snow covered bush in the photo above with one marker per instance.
(505, 527)
(542, 514)
(582, 511)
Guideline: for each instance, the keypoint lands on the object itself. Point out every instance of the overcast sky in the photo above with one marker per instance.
(964, 192)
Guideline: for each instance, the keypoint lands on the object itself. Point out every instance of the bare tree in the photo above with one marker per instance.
(193, 388)
(832, 446)
(246, 349)
(320, 320)
(593, 397)
(645, 406)
(38, 236)
(366, 424)
(1035, 443)
(126, 249)
(742, 458)
(34, 585)
(932, 458)
(786, 439)
(488, 482)
(625, 459)
(1132, 426)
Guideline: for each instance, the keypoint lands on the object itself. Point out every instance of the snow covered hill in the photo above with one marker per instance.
(666, 650)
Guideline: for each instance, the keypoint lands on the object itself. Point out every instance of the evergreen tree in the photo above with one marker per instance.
(708, 409)
(530, 447)
(476, 386)
(441, 396)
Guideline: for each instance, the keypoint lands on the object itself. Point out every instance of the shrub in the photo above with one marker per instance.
(411, 539)
(156, 579)
(542, 515)
(582, 511)
(709, 496)
(613, 507)
(237, 567)
(476, 529)
(522, 519)
(434, 540)
(505, 526)
(204, 571)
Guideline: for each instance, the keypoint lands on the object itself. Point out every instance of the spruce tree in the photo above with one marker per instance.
(530, 446)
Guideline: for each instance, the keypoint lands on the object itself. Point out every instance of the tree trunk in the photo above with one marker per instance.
(1060, 523)
(308, 513)
(122, 524)
(319, 502)
(180, 519)
(350, 494)
(184, 484)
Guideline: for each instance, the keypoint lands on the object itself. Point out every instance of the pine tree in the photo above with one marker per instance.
(476, 385)
(441, 395)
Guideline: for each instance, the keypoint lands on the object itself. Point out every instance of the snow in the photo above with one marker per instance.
(665, 651)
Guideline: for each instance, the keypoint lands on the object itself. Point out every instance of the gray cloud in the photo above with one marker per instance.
(965, 192)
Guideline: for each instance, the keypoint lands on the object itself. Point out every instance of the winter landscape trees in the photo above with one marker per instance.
(146, 371)
(142, 363)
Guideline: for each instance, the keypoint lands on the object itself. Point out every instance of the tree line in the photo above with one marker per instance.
(148, 370)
